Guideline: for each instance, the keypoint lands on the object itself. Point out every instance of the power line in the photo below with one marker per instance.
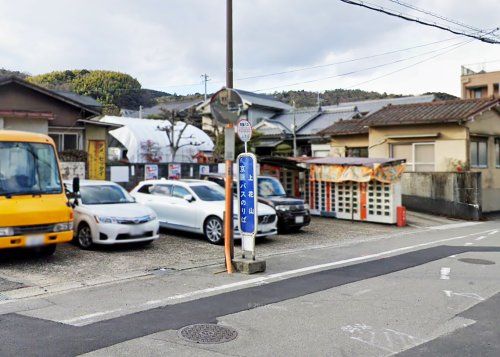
(451, 21)
(344, 61)
(356, 71)
(412, 65)
(320, 66)
(408, 18)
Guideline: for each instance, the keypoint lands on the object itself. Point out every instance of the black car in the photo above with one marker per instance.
(293, 213)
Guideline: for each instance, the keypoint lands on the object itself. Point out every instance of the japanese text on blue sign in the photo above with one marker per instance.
(247, 194)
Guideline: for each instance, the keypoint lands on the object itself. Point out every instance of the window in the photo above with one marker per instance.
(104, 195)
(497, 153)
(478, 92)
(479, 152)
(357, 152)
(145, 189)
(209, 193)
(179, 192)
(28, 168)
(419, 156)
(66, 141)
(161, 190)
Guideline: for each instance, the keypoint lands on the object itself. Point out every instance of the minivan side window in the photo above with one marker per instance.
(180, 192)
(145, 189)
(161, 190)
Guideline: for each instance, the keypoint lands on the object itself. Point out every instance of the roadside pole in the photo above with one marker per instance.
(229, 146)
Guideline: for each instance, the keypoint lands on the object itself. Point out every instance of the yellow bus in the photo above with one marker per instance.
(34, 209)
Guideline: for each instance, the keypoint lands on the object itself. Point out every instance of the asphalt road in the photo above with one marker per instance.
(418, 292)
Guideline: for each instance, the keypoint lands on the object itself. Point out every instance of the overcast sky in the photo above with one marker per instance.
(169, 43)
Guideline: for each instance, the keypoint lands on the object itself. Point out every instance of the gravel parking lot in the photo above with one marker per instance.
(174, 250)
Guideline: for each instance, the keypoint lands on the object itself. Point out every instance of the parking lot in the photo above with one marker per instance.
(22, 274)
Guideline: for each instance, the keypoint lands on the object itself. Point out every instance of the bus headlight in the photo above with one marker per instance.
(6, 231)
(61, 227)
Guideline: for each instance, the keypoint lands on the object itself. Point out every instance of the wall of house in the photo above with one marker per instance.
(320, 150)
(451, 143)
(25, 124)
(487, 80)
(16, 97)
(338, 144)
(488, 125)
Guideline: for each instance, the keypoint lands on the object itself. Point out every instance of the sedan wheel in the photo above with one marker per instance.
(84, 237)
(214, 230)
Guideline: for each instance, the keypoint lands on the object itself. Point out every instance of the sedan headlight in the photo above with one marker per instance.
(106, 219)
(6, 231)
(306, 206)
(282, 208)
(152, 217)
(61, 227)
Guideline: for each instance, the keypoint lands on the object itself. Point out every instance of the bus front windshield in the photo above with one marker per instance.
(28, 168)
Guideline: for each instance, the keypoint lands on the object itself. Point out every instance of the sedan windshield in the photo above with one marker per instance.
(209, 193)
(269, 186)
(104, 195)
(28, 168)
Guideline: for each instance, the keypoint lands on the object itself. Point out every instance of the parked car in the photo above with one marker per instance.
(196, 206)
(104, 213)
(293, 213)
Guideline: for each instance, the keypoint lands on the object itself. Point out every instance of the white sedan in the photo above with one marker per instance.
(196, 206)
(106, 214)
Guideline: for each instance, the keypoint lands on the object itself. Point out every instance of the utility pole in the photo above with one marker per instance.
(229, 140)
(294, 131)
(205, 80)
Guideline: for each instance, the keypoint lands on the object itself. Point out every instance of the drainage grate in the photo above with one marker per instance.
(4, 297)
(477, 261)
(208, 333)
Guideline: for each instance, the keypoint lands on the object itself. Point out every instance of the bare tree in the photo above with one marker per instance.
(178, 123)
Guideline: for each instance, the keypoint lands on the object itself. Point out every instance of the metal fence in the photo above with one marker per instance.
(129, 175)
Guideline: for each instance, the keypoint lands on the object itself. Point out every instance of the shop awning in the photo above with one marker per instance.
(358, 169)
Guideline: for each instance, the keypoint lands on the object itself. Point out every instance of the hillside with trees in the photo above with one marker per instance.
(114, 90)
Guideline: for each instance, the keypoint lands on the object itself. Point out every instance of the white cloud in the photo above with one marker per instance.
(165, 43)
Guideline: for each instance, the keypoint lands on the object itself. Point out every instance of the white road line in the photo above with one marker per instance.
(262, 279)
(454, 225)
(493, 232)
(445, 273)
(469, 243)
(480, 238)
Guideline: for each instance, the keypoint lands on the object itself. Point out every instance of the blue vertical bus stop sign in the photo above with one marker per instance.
(247, 200)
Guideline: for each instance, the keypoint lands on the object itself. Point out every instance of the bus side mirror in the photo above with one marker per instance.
(76, 185)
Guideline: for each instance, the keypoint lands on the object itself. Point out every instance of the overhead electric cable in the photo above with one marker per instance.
(357, 71)
(422, 22)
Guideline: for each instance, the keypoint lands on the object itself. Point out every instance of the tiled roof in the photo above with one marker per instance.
(372, 105)
(448, 111)
(346, 127)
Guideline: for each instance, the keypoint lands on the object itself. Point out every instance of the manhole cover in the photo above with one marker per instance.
(208, 333)
(477, 261)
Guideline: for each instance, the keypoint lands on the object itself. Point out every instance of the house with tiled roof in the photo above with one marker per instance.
(443, 136)
(309, 122)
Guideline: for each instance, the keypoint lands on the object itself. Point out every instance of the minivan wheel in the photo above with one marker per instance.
(84, 236)
(214, 230)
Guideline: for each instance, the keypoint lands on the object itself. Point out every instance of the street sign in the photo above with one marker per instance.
(247, 201)
(244, 130)
(226, 106)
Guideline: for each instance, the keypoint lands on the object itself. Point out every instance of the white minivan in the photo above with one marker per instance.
(197, 206)
(104, 213)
